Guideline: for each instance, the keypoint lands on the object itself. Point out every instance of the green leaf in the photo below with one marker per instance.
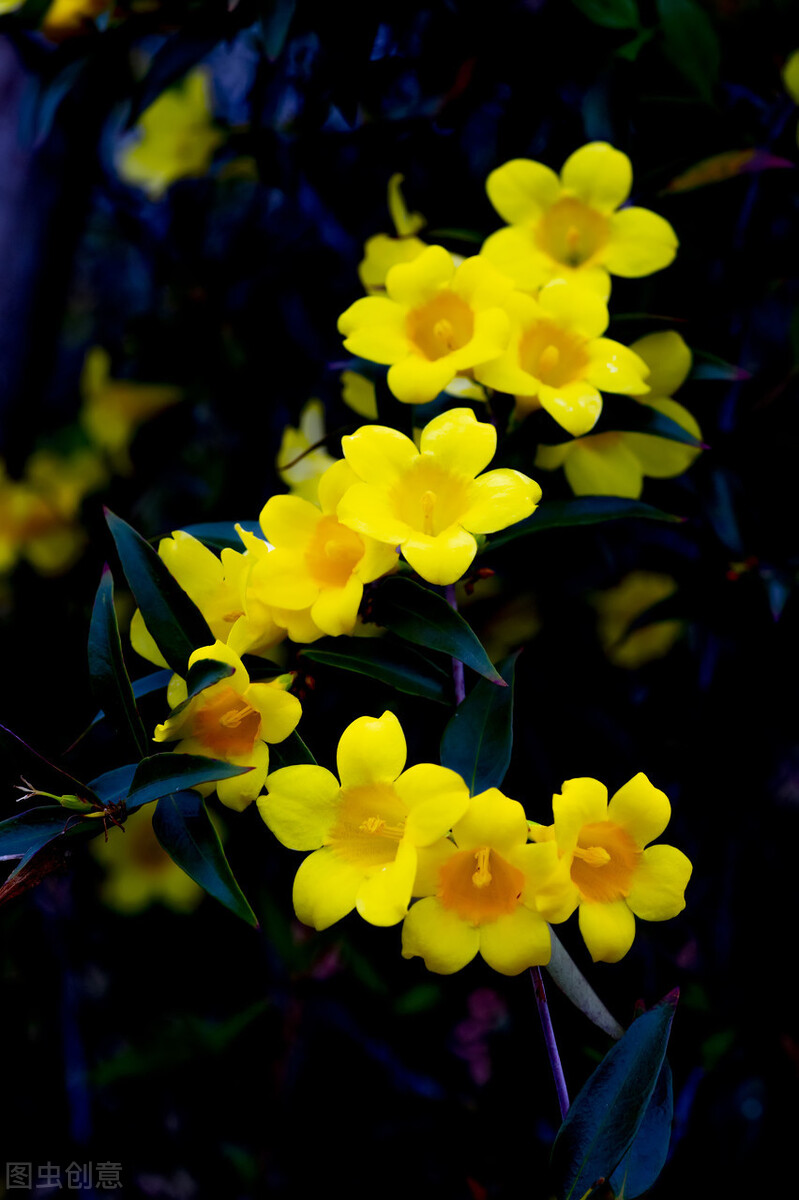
(640, 418)
(727, 165)
(28, 831)
(612, 14)
(113, 786)
(176, 624)
(425, 618)
(604, 1119)
(205, 673)
(573, 984)
(184, 829)
(647, 1156)
(388, 660)
(221, 535)
(163, 773)
(710, 366)
(477, 742)
(690, 43)
(291, 752)
(583, 510)
(107, 668)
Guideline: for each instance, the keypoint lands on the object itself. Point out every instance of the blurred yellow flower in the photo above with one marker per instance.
(615, 463)
(435, 322)
(113, 409)
(557, 359)
(358, 393)
(606, 867)
(382, 252)
(231, 720)
(790, 76)
(618, 607)
(479, 892)
(299, 466)
(430, 502)
(68, 18)
(574, 226)
(139, 872)
(366, 830)
(175, 137)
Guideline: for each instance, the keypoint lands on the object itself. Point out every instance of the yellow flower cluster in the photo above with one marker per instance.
(485, 880)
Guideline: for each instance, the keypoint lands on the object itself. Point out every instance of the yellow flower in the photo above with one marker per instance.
(217, 586)
(359, 394)
(382, 252)
(140, 872)
(435, 322)
(176, 137)
(113, 409)
(606, 866)
(557, 359)
(617, 608)
(68, 18)
(569, 227)
(297, 464)
(365, 830)
(615, 463)
(313, 578)
(230, 720)
(428, 501)
(479, 893)
(790, 76)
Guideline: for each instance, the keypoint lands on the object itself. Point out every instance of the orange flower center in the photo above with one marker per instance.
(479, 885)
(443, 324)
(334, 553)
(571, 232)
(371, 822)
(226, 724)
(429, 498)
(552, 355)
(604, 862)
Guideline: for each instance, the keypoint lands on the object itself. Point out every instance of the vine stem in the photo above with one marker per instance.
(457, 665)
(549, 1040)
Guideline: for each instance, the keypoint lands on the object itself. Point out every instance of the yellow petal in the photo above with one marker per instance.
(411, 284)
(325, 889)
(552, 457)
(239, 791)
(280, 712)
(430, 861)
(459, 442)
(358, 393)
(378, 454)
(576, 405)
(416, 380)
(492, 819)
(516, 941)
(383, 897)
(336, 609)
(436, 798)
(282, 579)
(641, 809)
(371, 750)
(557, 897)
(604, 466)
(374, 328)
(615, 368)
(370, 511)
(436, 934)
(301, 805)
(640, 242)
(514, 252)
(219, 652)
(143, 642)
(381, 253)
(608, 929)
(669, 360)
(443, 559)
(289, 521)
(498, 499)
(658, 886)
(574, 307)
(334, 483)
(521, 190)
(581, 802)
(405, 222)
(661, 457)
(790, 76)
(598, 175)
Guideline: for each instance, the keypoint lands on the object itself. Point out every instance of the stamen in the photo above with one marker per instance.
(332, 548)
(573, 235)
(234, 716)
(428, 505)
(372, 825)
(482, 876)
(443, 331)
(232, 617)
(594, 856)
(549, 359)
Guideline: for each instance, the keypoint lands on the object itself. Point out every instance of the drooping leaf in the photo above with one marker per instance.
(690, 43)
(389, 660)
(604, 1119)
(140, 687)
(583, 510)
(640, 418)
(205, 673)
(31, 830)
(709, 366)
(612, 14)
(163, 773)
(113, 786)
(291, 752)
(573, 984)
(176, 624)
(647, 1156)
(423, 617)
(727, 165)
(222, 535)
(478, 740)
(184, 829)
(107, 669)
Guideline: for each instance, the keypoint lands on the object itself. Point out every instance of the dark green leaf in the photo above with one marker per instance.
(169, 66)
(205, 673)
(163, 773)
(107, 668)
(139, 687)
(640, 418)
(646, 1158)
(176, 624)
(113, 786)
(630, 50)
(275, 21)
(709, 366)
(291, 752)
(477, 742)
(184, 829)
(388, 660)
(221, 535)
(423, 617)
(605, 1117)
(583, 510)
(31, 830)
(612, 14)
(690, 43)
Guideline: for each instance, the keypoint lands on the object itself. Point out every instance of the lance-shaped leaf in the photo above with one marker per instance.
(176, 624)
(574, 985)
(425, 618)
(727, 165)
(107, 668)
(586, 510)
(113, 786)
(388, 660)
(184, 829)
(28, 831)
(640, 418)
(163, 773)
(613, 14)
(222, 535)
(647, 1156)
(710, 366)
(602, 1123)
(477, 742)
(140, 687)
(205, 673)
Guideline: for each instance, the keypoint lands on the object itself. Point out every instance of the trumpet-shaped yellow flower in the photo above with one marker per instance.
(618, 607)
(175, 137)
(298, 465)
(231, 720)
(140, 872)
(574, 226)
(313, 578)
(435, 322)
(217, 586)
(113, 409)
(366, 827)
(479, 893)
(557, 359)
(606, 866)
(382, 252)
(615, 463)
(430, 502)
